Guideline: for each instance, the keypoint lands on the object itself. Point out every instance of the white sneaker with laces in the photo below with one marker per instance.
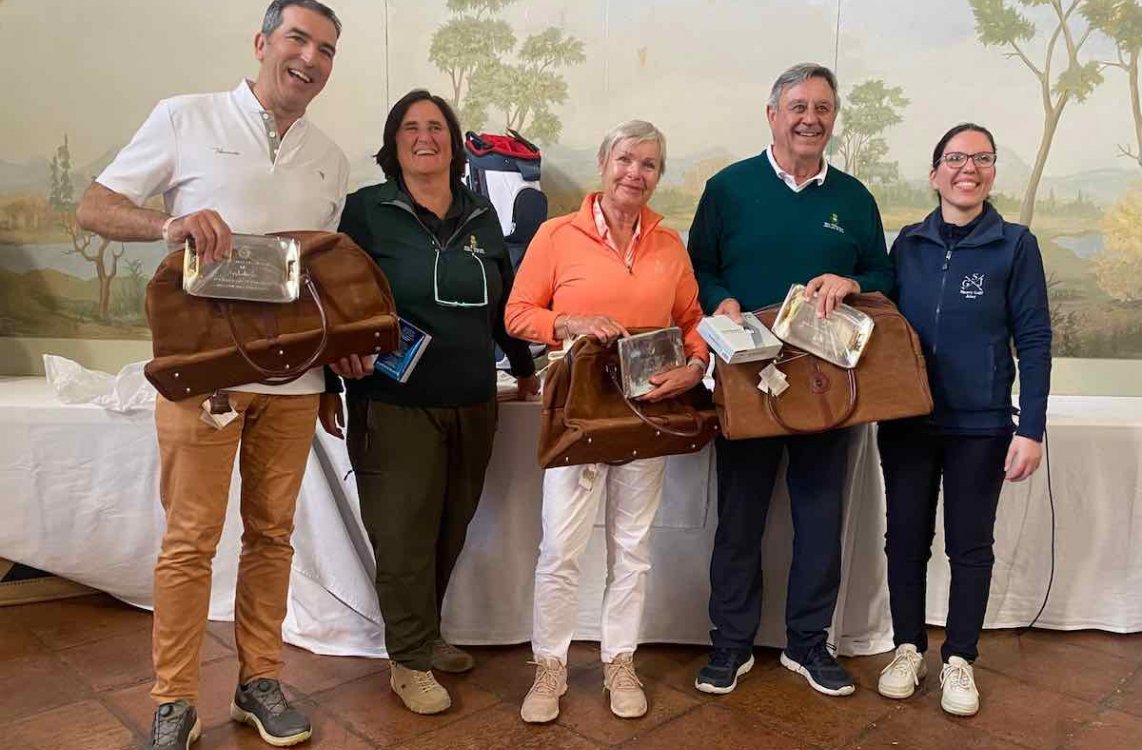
(903, 674)
(960, 695)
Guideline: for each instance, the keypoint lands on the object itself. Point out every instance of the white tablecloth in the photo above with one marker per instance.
(1094, 446)
(78, 497)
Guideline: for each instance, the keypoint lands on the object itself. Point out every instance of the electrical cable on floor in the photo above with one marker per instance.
(1051, 498)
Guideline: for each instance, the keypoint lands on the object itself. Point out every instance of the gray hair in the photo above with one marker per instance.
(273, 18)
(799, 74)
(639, 130)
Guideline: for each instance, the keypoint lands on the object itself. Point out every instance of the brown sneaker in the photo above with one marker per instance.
(448, 658)
(419, 691)
(542, 702)
(627, 699)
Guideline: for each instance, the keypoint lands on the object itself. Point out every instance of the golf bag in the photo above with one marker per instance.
(505, 169)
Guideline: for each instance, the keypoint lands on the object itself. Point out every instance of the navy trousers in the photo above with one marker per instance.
(914, 460)
(815, 476)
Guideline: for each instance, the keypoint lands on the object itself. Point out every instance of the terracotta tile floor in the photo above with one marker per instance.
(75, 675)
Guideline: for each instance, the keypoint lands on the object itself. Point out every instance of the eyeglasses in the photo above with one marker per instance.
(957, 159)
(457, 278)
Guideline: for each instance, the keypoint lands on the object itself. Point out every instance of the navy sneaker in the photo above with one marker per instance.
(175, 727)
(822, 671)
(261, 704)
(721, 673)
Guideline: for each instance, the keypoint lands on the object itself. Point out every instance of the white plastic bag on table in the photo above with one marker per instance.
(75, 384)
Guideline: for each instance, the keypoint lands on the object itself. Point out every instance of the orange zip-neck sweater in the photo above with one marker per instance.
(568, 269)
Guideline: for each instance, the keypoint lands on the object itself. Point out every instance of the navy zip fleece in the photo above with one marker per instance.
(968, 302)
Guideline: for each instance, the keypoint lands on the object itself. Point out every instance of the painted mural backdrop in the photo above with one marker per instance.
(1056, 80)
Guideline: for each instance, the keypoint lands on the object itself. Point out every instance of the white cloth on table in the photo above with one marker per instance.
(79, 498)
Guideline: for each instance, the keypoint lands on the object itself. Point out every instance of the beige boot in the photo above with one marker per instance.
(541, 703)
(419, 691)
(627, 699)
(448, 658)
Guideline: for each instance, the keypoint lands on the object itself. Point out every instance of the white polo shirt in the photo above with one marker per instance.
(221, 151)
(790, 180)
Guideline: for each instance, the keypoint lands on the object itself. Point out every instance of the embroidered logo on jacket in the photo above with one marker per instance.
(972, 286)
(833, 224)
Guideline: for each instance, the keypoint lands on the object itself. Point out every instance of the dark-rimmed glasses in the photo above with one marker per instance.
(957, 159)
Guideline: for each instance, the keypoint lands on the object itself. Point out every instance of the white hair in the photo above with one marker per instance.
(640, 131)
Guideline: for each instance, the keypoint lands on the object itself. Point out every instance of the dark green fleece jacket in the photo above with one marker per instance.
(428, 278)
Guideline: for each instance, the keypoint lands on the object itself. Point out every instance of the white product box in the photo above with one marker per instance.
(735, 343)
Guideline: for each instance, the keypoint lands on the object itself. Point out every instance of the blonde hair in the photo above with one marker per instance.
(640, 131)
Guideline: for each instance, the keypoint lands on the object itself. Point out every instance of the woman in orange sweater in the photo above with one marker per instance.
(608, 267)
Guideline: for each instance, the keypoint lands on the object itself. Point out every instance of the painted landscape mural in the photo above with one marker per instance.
(1056, 80)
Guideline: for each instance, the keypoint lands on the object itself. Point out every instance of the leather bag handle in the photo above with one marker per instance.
(774, 412)
(289, 373)
(613, 372)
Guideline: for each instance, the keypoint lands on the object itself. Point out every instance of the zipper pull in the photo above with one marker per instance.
(947, 257)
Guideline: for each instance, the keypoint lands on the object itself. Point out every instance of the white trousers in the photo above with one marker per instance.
(571, 497)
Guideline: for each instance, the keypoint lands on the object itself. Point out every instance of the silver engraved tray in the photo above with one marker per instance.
(645, 354)
(260, 269)
(840, 338)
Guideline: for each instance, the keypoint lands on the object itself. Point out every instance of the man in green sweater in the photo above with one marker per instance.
(780, 218)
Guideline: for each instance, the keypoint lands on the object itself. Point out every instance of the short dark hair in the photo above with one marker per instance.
(963, 127)
(387, 156)
(273, 17)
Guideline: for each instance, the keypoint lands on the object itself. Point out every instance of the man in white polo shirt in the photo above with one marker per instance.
(244, 161)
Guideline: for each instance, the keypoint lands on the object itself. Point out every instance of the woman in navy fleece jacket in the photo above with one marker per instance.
(970, 283)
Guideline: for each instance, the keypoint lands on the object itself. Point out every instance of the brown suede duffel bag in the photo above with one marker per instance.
(889, 382)
(586, 419)
(202, 345)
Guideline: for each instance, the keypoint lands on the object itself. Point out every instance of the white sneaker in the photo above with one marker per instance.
(903, 674)
(960, 696)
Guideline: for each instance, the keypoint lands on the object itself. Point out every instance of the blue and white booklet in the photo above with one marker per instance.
(400, 362)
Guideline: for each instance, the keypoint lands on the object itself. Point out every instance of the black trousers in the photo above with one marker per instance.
(420, 473)
(914, 460)
(747, 470)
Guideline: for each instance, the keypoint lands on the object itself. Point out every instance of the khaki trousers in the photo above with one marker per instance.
(271, 436)
(420, 473)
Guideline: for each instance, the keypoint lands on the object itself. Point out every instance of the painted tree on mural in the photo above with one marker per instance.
(473, 49)
(999, 23)
(1118, 267)
(869, 109)
(90, 246)
(471, 40)
(1121, 20)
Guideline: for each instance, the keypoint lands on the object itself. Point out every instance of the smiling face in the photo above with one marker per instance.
(803, 122)
(297, 59)
(424, 145)
(630, 173)
(964, 188)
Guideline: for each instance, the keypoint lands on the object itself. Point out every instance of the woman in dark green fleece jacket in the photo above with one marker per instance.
(420, 449)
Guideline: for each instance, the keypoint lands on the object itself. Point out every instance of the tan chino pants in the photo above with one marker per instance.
(271, 436)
